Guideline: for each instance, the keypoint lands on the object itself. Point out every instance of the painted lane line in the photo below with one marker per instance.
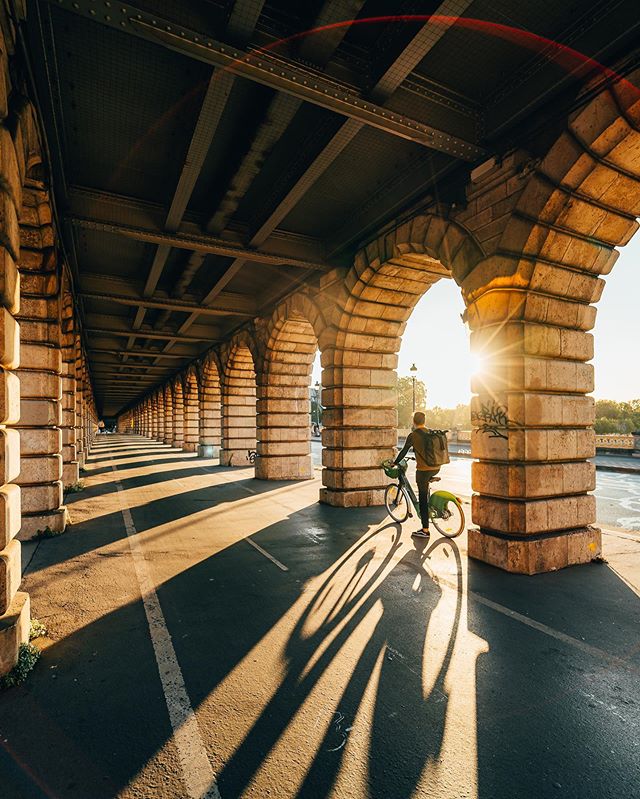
(197, 773)
(266, 554)
(576, 643)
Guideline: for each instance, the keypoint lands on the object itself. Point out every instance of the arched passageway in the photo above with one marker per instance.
(191, 411)
(239, 406)
(210, 416)
(284, 443)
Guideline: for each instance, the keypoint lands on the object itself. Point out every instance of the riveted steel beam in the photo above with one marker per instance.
(207, 244)
(240, 309)
(267, 68)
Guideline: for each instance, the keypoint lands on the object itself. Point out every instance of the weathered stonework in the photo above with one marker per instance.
(528, 248)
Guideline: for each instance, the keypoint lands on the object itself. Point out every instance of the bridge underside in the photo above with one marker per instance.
(195, 202)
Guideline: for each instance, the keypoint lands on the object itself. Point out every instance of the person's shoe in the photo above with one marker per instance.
(421, 534)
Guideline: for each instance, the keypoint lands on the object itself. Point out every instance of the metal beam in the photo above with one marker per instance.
(152, 334)
(202, 243)
(278, 73)
(241, 24)
(141, 353)
(172, 305)
(391, 79)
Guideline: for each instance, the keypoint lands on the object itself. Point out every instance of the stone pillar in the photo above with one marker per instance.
(80, 451)
(70, 465)
(284, 420)
(191, 410)
(178, 418)
(210, 417)
(14, 605)
(532, 434)
(158, 422)
(40, 371)
(154, 418)
(238, 410)
(359, 424)
(169, 418)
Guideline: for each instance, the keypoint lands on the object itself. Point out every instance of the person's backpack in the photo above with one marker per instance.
(436, 447)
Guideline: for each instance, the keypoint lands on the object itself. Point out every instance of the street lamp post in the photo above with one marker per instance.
(413, 369)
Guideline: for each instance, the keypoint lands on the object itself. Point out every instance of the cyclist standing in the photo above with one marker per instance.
(422, 442)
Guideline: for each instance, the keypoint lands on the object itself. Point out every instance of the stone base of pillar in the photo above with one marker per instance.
(176, 444)
(81, 460)
(14, 630)
(168, 441)
(354, 498)
(234, 457)
(208, 451)
(70, 474)
(535, 554)
(296, 467)
(188, 446)
(56, 520)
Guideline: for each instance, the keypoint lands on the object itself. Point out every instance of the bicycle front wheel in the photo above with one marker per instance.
(451, 522)
(396, 502)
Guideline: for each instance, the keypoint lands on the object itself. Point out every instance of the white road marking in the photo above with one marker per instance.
(266, 554)
(583, 646)
(197, 773)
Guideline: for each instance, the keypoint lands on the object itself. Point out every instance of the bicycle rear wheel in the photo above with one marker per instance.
(396, 502)
(451, 522)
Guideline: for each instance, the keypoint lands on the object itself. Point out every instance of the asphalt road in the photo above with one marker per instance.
(617, 495)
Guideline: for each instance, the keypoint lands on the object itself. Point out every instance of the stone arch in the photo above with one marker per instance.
(239, 400)
(178, 413)
(369, 311)
(531, 309)
(169, 417)
(283, 422)
(191, 395)
(210, 417)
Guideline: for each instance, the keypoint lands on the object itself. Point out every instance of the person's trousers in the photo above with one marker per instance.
(422, 479)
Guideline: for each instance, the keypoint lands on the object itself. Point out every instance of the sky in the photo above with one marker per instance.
(437, 341)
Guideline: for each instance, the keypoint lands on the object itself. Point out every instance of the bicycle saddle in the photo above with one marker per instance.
(435, 479)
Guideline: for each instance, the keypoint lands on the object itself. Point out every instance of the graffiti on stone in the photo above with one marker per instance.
(492, 419)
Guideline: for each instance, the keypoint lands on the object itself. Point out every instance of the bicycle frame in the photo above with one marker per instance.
(436, 507)
(404, 483)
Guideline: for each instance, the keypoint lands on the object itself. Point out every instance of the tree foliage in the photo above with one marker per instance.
(438, 418)
(405, 399)
(617, 417)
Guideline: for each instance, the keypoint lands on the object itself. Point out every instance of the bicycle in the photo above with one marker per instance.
(445, 509)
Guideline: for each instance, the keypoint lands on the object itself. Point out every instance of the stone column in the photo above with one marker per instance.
(359, 424)
(210, 417)
(238, 410)
(14, 604)
(169, 419)
(191, 409)
(532, 436)
(154, 418)
(40, 371)
(80, 451)
(178, 418)
(70, 465)
(284, 403)
(158, 418)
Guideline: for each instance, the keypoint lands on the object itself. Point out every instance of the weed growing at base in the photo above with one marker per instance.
(28, 655)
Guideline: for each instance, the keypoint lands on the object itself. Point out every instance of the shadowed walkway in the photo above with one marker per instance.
(324, 652)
